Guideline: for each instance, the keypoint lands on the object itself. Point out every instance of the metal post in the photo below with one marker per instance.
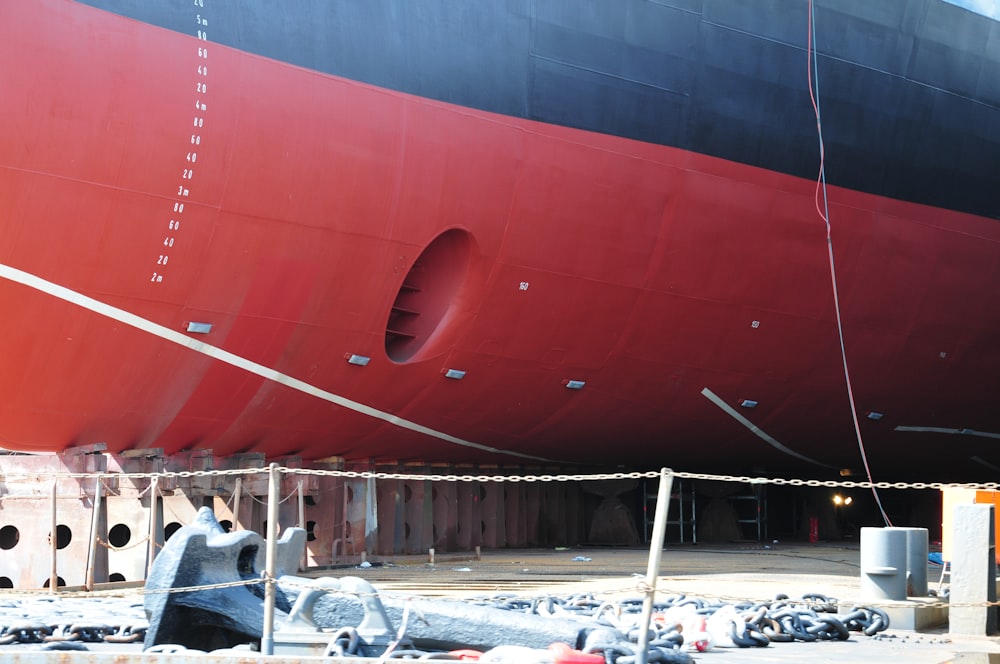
(653, 567)
(270, 561)
(302, 506)
(94, 522)
(154, 487)
(345, 535)
(237, 493)
(53, 574)
(303, 562)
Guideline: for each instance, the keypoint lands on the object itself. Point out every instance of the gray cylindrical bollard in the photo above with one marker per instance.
(916, 561)
(883, 563)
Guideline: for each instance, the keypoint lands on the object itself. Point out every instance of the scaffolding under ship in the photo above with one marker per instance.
(512, 232)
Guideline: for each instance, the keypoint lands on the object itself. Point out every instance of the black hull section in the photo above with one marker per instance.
(909, 91)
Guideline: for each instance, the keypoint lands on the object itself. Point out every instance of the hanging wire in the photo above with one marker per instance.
(812, 72)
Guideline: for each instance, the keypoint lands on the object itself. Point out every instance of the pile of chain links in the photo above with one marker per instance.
(60, 622)
(749, 624)
(811, 619)
(54, 621)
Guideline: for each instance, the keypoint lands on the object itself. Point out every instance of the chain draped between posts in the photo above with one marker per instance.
(275, 471)
(526, 478)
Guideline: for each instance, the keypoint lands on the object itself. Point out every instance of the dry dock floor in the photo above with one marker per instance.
(734, 572)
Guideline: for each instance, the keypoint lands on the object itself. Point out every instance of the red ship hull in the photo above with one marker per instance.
(151, 180)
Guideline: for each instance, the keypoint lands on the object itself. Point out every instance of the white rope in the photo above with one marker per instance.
(813, 75)
(628, 588)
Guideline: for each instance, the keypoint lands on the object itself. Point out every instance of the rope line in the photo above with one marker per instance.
(812, 74)
(111, 547)
(639, 587)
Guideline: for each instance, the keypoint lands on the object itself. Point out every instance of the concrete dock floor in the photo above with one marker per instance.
(733, 572)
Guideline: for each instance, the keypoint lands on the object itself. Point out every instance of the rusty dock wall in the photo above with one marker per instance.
(112, 512)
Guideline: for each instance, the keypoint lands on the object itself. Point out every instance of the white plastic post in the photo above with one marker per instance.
(270, 561)
(653, 566)
(304, 561)
(53, 574)
(154, 488)
(237, 494)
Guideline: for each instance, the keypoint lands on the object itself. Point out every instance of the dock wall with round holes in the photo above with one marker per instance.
(29, 505)
(113, 512)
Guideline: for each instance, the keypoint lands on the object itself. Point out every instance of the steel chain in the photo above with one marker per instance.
(379, 475)
(90, 633)
(27, 631)
(756, 625)
(128, 634)
(752, 624)
(62, 633)
(38, 631)
(345, 641)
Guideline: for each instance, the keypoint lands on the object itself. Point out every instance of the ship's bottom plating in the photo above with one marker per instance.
(640, 272)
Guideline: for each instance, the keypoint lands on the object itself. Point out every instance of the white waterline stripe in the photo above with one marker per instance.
(961, 432)
(173, 336)
(717, 400)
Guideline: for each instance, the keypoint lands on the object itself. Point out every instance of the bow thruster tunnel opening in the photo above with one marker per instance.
(436, 297)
